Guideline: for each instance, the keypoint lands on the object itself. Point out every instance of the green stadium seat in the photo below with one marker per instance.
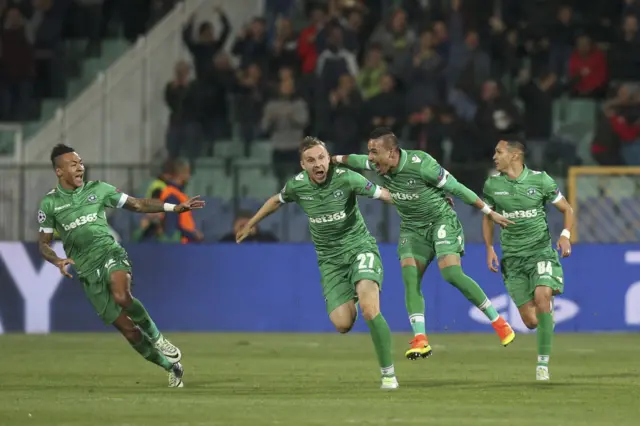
(558, 113)
(583, 110)
(262, 150)
(258, 183)
(228, 149)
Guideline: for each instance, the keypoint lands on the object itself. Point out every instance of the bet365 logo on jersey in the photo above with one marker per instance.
(404, 197)
(520, 214)
(82, 220)
(328, 217)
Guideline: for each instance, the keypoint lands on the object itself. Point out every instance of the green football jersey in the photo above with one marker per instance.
(416, 186)
(523, 201)
(80, 219)
(335, 221)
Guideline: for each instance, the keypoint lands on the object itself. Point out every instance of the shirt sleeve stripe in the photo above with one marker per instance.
(46, 230)
(443, 182)
(368, 165)
(558, 198)
(281, 199)
(377, 193)
(123, 199)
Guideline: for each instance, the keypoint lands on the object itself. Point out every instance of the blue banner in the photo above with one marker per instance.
(276, 287)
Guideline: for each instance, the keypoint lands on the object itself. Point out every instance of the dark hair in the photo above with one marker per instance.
(174, 165)
(59, 150)
(205, 26)
(309, 142)
(243, 214)
(516, 144)
(386, 134)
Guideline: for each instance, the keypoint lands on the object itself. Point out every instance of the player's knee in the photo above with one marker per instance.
(128, 329)
(343, 325)
(530, 322)
(123, 298)
(543, 300)
(369, 310)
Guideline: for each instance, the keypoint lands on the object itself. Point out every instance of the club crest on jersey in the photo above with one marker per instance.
(411, 182)
(531, 192)
(92, 198)
(41, 216)
(338, 194)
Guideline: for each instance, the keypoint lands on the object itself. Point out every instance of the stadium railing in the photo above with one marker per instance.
(606, 201)
(11, 138)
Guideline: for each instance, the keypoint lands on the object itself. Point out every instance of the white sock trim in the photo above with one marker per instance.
(416, 318)
(484, 305)
(388, 371)
(543, 359)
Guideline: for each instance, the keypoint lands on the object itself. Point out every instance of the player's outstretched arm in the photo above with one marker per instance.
(435, 174)
(153, 205)
(487, 236)
(47, 253)
(269, 207)
(360, 162)
(564, 242)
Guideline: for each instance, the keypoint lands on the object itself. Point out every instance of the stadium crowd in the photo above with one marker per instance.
(35, 60)
(450, 77)
(434, 71)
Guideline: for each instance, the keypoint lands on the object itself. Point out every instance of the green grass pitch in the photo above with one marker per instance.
(318, 379)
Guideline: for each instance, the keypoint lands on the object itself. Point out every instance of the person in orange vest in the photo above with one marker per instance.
(179, 227)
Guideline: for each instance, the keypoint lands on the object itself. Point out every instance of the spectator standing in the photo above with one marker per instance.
(284, 119)
(335, 60)
(588, 69)
(182, 96)
(387, 108)
(284, 48)
(252, 46)
(17, 64)
(251, 95)
(369, 75)
(345, 115)
(205, 46)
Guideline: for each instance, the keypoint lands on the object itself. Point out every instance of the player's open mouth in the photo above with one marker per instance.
(319, 174)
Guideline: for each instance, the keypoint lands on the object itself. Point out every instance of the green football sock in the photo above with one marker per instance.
(151, 354)
(141, 318)
(470, 289)
(413, 299)
(545, 337)
(381, 336)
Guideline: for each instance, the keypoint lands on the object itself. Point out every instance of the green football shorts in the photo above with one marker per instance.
(341, 274)
(97, 284)
(522, 275)
(443, 237)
